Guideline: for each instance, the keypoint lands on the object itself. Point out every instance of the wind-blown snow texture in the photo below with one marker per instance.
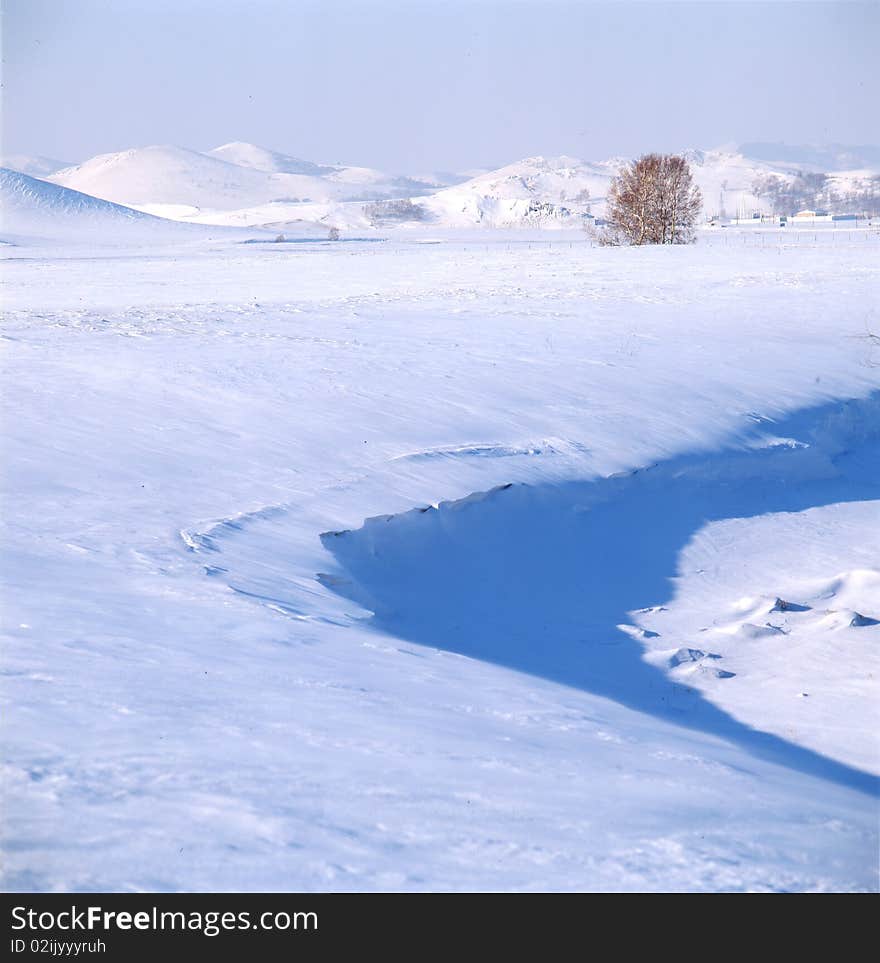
(274, 620)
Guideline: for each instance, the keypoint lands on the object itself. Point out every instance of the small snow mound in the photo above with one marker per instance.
(684, 656)
(748, 630)
(858, 620)
(781, 605)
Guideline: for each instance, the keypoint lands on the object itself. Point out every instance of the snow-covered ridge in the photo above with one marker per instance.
(31, 206)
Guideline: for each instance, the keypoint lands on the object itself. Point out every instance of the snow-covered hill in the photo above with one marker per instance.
(357, 181)
(174, 175)
(180, 182)
(727, 179)
(261, 159)
(35, 207)
(38, 211)
(731, 178)
(535, 192)
(544, 193)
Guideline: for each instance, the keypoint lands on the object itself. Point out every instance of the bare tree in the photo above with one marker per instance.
(804, 191)
(653, 201)
(583, 199)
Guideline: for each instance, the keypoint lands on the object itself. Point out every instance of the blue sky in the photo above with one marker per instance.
(423, 86)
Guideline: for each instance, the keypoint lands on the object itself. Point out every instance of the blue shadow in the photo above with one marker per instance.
(537, 578)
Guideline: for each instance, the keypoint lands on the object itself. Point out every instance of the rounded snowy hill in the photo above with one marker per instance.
(166, 175)
(35, 210)
(32, 205)
(735, 179)
(359, 182)
(261, 159)
(537, 191)
(177, 182)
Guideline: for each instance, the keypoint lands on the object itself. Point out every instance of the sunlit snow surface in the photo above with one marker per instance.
(272, 621)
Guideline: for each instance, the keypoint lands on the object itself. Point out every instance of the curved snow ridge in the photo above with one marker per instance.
(826, 433)
(39, 209)
(206, 536)
(493, 450)
(544, 578)
(403, 518)
(21, 192)
(829, 432)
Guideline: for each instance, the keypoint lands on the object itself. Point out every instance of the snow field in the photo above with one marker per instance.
(202, 693)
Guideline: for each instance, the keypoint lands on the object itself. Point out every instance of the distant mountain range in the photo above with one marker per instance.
(241, 184)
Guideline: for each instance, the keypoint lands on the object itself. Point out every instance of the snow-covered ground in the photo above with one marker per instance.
(468, 565)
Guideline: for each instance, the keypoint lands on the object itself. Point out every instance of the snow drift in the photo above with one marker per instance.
(34, 207)
(544, 579)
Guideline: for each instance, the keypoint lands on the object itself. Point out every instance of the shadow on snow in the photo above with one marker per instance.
(537, 578)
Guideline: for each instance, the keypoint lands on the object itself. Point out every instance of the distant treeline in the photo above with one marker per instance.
(816, 192)
(394, 212)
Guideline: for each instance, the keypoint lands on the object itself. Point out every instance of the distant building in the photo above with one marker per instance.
(810, 217)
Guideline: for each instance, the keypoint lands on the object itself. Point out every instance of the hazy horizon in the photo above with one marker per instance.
(421, 87)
